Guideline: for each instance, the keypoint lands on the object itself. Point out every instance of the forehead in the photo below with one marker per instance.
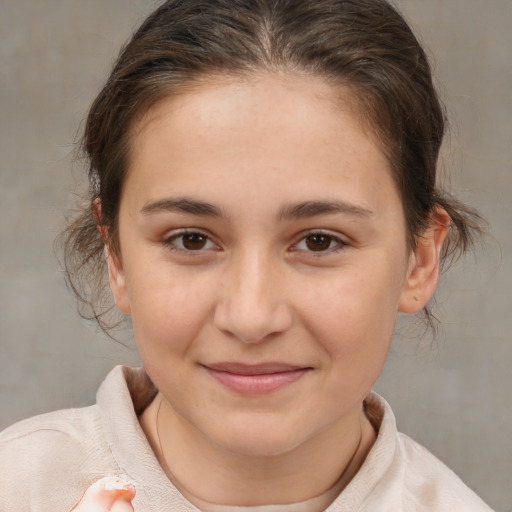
(264, 129)
(255, 96)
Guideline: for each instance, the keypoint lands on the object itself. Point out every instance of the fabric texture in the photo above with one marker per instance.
(47, 462)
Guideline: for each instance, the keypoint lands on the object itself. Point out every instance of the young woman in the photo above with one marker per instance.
(263, 202)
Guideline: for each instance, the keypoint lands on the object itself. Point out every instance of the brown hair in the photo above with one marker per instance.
(364, 45)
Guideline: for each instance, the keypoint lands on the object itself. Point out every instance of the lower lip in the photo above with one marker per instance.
(257, 384)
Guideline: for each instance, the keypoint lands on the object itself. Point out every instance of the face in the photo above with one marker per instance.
(263, 260)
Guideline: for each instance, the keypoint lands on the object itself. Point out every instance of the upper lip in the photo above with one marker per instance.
(254, 369)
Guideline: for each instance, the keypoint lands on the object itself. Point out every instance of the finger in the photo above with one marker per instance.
(120, 489)
(102, 495)
(121, 506)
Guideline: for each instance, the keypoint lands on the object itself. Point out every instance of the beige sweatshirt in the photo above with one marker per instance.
(47, 462)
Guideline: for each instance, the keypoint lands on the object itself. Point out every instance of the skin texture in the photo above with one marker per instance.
(267, 279)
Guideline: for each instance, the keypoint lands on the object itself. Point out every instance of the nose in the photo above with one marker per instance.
(252, 305)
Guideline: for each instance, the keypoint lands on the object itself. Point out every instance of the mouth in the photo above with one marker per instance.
(257, 379)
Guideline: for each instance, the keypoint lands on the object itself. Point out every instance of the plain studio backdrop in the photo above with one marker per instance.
(451, 394)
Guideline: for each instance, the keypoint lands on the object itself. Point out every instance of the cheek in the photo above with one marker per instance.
(353, 315)
(168, 311)
(356, 343)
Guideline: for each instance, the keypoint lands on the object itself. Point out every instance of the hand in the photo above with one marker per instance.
(110, 494)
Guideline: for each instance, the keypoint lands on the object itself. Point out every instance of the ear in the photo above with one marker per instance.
(117, 280)
(116, 274)
(424, 264)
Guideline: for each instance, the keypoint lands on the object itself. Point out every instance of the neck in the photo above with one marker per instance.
(330, 459)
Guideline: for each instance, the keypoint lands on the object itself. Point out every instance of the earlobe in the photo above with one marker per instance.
(424, 265)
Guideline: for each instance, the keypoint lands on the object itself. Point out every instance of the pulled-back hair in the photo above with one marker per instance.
(362, 46)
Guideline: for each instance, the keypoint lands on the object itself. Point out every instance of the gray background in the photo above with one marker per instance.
(451, 394)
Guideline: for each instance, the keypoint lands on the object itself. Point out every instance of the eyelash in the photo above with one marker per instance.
(339, 244)
(169, 242)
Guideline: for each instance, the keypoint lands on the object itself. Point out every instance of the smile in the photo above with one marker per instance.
(256, 379)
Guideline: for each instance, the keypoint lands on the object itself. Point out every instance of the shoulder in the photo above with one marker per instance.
(67, 422)
(48, 461)
(401, 475)
(53, 432)
(430, 485)
(60, 451)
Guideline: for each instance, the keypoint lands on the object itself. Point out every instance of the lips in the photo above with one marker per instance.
(256, 379)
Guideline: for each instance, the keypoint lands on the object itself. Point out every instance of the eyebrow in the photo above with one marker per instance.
(182, 205)
(289, 212)
(314, 208)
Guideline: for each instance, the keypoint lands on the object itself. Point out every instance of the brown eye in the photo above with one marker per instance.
(189, 243)
(318, 242)
(194, 241)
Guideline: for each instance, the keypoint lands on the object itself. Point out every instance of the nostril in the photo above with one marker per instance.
(252, 324)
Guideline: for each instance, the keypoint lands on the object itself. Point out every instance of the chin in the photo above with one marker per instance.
(258, 439)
